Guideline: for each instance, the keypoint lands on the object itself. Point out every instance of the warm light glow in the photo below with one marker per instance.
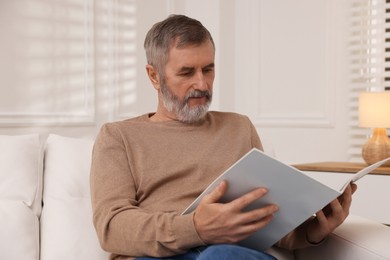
(374, 112)
(374, 109)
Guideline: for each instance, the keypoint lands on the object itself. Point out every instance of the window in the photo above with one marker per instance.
(57, 56)
(369, 50)
(47, 62)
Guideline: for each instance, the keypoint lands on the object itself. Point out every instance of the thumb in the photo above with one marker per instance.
(216, 194)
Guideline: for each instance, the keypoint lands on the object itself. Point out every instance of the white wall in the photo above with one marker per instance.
(282, 63)
(295, 76)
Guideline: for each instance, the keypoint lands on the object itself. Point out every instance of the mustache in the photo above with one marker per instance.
(198, 94)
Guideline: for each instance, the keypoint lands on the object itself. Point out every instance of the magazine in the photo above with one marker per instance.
(297, 195)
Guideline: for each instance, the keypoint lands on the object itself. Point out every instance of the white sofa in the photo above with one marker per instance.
(45, 210)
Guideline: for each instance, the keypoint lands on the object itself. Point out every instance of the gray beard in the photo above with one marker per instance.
(182, 110)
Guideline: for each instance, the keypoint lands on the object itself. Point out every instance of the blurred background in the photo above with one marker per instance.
(294, 67)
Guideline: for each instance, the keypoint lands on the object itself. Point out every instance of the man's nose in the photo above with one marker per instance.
(200, 81)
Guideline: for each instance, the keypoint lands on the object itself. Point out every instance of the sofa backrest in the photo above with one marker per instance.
(67, 231)
(20, 196)
(60, 229)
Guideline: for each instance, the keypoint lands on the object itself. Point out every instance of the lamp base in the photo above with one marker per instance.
(377, 147)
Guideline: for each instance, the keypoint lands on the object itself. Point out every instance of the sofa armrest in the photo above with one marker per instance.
(356, 238)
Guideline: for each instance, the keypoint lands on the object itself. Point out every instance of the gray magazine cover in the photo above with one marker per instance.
(297, 195)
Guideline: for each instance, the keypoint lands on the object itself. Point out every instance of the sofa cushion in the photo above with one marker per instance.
(356, 238)
(20, 196)
(67, 231)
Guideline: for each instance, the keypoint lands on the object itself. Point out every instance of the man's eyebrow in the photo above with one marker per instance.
(210, 66)
(188, 69)
(184, 68)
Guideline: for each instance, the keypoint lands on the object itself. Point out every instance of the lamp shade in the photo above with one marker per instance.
(374, 109)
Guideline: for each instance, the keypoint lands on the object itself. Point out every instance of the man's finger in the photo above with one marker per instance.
(248, 198)
(216, 194)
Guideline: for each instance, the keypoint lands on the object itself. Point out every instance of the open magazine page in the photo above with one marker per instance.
(334, 180)
(368, 169)
(297, 195)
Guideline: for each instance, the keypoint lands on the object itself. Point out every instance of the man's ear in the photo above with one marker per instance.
(153, 76)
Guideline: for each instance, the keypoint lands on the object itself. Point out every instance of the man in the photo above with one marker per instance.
(147, 170)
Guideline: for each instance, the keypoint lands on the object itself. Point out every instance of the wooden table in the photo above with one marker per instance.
(346, 167)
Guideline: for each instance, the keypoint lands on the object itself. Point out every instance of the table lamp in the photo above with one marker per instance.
(374, 112)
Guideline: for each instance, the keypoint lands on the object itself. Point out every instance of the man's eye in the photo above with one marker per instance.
(208, 69)
(186, 74)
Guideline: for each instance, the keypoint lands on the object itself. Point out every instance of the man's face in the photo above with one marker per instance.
(187, 89)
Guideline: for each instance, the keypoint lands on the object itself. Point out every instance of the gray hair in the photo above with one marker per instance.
(179, 29)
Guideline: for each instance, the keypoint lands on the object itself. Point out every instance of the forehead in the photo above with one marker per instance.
(192, 55)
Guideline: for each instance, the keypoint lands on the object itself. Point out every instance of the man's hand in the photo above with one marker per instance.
(331, 216)
(218, 223)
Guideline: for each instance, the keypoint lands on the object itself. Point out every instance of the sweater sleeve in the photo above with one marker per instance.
(122, 227)
(255, 139)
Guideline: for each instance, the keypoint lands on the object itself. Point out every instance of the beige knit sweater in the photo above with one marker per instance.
(144, 174)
